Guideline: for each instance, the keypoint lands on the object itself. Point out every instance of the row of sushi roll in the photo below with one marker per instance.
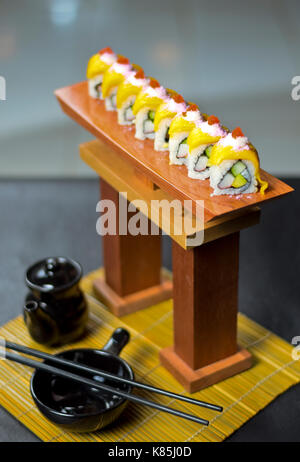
(200, 142)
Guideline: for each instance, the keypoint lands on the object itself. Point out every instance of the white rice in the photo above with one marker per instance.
(140, 120)
(92, 83)
(240, 142)
(174, 145)
(213, 130)
(192, 161)
(159, 141)
(125, 115)
(217, 172)
(108, 58)
(110, 100)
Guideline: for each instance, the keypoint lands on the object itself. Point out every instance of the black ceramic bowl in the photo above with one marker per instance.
(76, 407)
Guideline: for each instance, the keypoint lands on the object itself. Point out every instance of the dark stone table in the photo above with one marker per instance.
(58, 217)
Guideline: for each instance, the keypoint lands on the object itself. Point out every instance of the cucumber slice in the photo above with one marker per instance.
(239, 181)
(151, 115)
(208, 151)
(238, 168)
(246, 174)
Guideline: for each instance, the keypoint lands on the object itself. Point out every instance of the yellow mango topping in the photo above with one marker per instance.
(220, 153)
(143, 100)
(197, 138)
(126, 90)
(110, 80)
(179, 124)
(161, 114)
(96, 66)
(164, 112)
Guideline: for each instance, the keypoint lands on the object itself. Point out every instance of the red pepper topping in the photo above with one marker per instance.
(192, 107)
(184, 114)
(140, 74)
(106, 50)
(213, 120)
(178, 98)
(237, 132)
(154, 83)
(122, 60)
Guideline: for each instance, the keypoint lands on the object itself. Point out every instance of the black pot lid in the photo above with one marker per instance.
(53, 274)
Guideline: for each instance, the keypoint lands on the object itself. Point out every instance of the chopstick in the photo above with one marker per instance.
(100, 372)
(92, 383)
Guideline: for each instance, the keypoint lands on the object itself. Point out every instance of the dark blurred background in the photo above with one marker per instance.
(235, 59)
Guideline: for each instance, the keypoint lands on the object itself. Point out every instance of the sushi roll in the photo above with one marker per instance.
(179, 130)
(144, 108)
(234, 166)
(126, 95)
(112, 78)
(174, 105)
(200, 142)
(97, 65)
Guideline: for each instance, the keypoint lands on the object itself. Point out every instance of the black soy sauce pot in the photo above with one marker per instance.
(55, 309)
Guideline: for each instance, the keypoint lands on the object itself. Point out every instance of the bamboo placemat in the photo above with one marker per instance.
(241, 396)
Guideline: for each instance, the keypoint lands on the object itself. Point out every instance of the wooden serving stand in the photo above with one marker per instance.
(205, 277)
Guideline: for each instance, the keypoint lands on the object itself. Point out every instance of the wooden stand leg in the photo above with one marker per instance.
(132, 266)
(205, 314)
